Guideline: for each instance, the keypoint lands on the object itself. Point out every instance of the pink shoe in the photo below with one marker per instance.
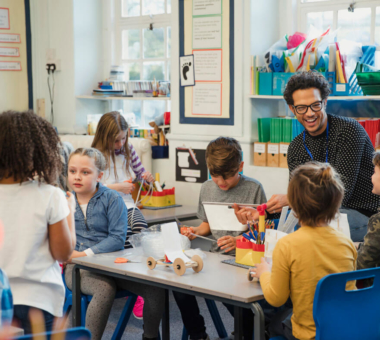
(138, 308)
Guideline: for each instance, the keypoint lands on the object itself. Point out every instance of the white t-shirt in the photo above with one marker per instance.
(83, 207)
(26, 211)
(122, 175)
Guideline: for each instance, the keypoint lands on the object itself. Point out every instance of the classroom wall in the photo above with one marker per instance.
(14, 84)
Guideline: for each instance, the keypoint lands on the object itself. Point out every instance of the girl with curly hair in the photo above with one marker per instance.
(38, 220)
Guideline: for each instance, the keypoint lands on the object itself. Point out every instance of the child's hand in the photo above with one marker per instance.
(148, 177)
(245, 214)
(261, 268)
(70, 201)
(188, 231)
(125, 187)
(227, 242)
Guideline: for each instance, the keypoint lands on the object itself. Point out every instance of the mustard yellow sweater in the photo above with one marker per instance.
(300, 260)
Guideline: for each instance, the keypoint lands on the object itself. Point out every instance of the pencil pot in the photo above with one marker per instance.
(249, 253)
(158, 199)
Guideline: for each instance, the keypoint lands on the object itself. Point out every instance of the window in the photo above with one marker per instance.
(143, 43)
(361, 25)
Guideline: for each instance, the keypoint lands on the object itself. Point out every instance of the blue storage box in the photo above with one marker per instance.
(160, 152)
(280, 79)
(265, 83)
(341, 89)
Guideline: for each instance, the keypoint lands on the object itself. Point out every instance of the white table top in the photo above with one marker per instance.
(216, 278)
(164, 215)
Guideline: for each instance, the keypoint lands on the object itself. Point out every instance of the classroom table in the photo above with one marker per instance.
(183, 213)
(216, 281)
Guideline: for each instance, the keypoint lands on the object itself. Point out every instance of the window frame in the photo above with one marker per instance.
(140, 22)
(335, 5)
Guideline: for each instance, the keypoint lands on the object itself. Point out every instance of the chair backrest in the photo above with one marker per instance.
(342, 314)
(70, 334)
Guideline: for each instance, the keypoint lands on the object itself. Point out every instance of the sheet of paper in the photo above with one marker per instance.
(183, 159)
(187, 70)
(207, 32)
(4, 19)
(9, 51)
(208, 65)
(172, 242)
(220, 217)
(284, 212)
(341, 223)
(271, 238)
(207, 7)
(10, 66)
(10, 37)
(207, 99)
(191, 173)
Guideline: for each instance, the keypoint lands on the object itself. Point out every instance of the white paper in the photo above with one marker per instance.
(10, 66)
(259, 148)
(207, 32)
(4, 18)
(9, 37)
(284, 212)
(172, 242)
(207, 7)
(284, 148)
(207, 99)
(271, 238)
(183, 159)
(340, 223)
(208, 65)
(191, 173)
(220, 217)
(290, 223)
(9, 52)
(272, 148)
(186, 64)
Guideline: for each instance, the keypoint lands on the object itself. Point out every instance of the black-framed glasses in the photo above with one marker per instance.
(302, 109)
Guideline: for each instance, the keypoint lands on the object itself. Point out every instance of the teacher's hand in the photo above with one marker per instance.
(245, 214)
(276, 203)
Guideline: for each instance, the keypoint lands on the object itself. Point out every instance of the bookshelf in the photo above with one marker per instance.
(89, 96)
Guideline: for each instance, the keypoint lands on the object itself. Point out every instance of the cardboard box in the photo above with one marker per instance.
(284, 155)
(260, 154)
(273, 159)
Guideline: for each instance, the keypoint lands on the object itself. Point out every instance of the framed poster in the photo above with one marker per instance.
(206, 31)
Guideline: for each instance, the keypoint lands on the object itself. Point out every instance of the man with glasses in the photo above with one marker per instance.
(340, 141)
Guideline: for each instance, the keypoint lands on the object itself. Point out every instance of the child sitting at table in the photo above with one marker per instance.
(224, 161)
(369, 249)
(302, 258)
(101, 227)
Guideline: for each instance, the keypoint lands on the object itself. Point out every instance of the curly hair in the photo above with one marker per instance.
(223, 157)
(306, 80)
(29, 147)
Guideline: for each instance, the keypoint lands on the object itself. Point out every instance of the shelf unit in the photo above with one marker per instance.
(329, 98)
(89, 96)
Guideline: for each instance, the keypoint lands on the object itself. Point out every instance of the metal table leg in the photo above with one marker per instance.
(259, 321)
(76, 310)
(165, 318)
(238, 323)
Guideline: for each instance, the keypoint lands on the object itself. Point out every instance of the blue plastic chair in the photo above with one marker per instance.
(211, 305)
(70, 334)
(341, 314)
(85, 300)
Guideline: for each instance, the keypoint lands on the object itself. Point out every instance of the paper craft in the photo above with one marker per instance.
(172, 242)
(340, 223)
(220, 217)
(271, 238)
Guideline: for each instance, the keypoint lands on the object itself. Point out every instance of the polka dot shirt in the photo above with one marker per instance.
(350, 152)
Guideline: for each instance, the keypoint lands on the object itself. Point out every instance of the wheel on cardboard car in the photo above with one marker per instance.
(151, 263)
(179, 266)
(250, 278)
(199, 261)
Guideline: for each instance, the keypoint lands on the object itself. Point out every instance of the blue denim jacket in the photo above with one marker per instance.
(105, 228)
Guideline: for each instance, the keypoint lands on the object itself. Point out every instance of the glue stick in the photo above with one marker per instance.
(261, 209)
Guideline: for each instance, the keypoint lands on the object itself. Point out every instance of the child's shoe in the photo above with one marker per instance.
(138, 308)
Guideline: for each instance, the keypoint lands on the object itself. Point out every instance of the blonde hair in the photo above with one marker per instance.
(96, 155)
(109, 126)
(315, 193)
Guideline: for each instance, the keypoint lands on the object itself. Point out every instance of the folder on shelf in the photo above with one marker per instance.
(273, 159)
(283, 156)
(263, 125)
(260, 154)
(276, 130)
